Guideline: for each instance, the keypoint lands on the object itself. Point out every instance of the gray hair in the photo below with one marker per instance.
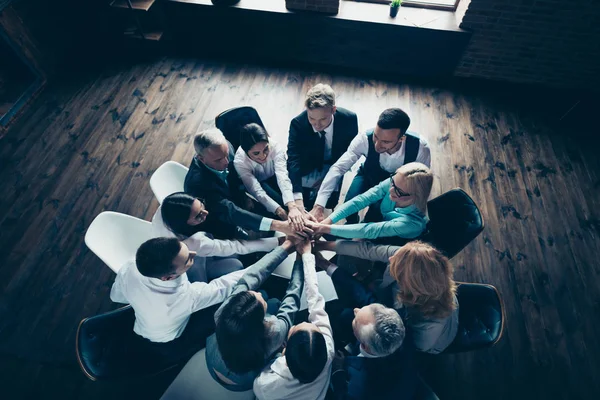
(320, 95)
(385, 335)
(207, 138)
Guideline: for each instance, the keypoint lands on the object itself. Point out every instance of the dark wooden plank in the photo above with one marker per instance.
(91, 143)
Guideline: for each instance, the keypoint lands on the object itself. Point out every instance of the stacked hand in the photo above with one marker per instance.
(318, 212)
(296, 218)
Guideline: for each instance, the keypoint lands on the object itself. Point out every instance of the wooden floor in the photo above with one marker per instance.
(92, 142)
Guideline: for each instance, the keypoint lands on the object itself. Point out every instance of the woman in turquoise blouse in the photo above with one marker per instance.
(403, 205)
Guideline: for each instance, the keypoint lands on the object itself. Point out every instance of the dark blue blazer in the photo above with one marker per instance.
(393, 377)
(223, 200)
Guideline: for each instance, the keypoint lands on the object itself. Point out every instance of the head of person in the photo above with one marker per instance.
(254, 140)
(320, 106)
(425, 278)
(241, 330)
(378, 329)
(180, 211)
(212, 149)
(305, 352)
(164, 258)
(390, 129)
(411, 184)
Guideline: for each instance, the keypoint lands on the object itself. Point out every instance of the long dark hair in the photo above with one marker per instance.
(241, 333)
(175, 212)
(251, 134)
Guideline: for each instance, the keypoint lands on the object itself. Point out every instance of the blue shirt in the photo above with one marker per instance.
(407, 222)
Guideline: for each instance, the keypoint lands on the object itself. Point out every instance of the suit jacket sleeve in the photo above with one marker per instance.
(256, 274)
(228, 212)
(291, 301)
(360, 296)
(294, 157)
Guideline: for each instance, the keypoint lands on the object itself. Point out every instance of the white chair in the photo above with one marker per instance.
(194, 382)
(168, 179)
(115, 237)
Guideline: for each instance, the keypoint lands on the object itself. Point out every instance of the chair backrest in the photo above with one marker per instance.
(115, 237)
(194, 382)
(230, 122)
(481, 317)
(168, 179)
(107, 348)
(454, 221)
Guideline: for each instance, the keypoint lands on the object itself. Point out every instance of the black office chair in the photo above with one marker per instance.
(230, 122)
(481, 317)
(107, 348)
(454, 221)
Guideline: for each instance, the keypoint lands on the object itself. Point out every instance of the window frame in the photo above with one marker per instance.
(429, 4)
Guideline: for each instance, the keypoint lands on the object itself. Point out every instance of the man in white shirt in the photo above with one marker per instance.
(157, 287)
(386, 147)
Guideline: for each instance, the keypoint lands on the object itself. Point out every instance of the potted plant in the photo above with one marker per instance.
(394, 7)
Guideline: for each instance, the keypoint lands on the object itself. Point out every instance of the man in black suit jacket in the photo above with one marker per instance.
(318, 137)
(384, 368)
(213, 178)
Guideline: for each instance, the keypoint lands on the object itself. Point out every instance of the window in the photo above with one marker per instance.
(449, 5)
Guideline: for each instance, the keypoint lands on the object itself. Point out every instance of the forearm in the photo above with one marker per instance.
(364, 250)
(256, 274)
(291, 301)
(372, 230)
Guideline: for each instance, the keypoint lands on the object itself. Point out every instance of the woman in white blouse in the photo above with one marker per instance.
(182, 216)
(262, 167)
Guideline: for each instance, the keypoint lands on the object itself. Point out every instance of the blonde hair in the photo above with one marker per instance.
(320, 95)
(419, 181)
(424, 277)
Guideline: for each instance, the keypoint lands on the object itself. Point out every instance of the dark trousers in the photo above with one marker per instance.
(200, 326)
(359, 185)
(309, 196)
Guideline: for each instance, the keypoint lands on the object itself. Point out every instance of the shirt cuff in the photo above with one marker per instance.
(321, 200)
(272, 206)
(331, 269)
(298, 196)
(265, 224)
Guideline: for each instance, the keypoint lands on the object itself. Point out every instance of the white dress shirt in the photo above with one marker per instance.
(314, 179)
(360, 147)
(252, 173)
(276, 381)
(206, 246)
(163, 308)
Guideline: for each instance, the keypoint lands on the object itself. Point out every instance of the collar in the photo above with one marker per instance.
(279, 366)
(217, 172)
(363, 353)
(329, 129)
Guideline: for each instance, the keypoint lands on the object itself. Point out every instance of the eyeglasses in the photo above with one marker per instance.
(399, 192)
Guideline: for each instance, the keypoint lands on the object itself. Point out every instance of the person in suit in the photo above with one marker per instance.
(384, 366)
(318, 137)
(386, 148)
(213, 178)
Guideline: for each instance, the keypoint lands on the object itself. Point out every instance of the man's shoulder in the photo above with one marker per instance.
(300, 118)
(344, 113)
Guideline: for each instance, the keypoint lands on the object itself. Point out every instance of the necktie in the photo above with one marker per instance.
(321, 148)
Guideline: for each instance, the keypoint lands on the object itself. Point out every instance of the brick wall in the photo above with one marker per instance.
(550, 42)
(322, 6)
